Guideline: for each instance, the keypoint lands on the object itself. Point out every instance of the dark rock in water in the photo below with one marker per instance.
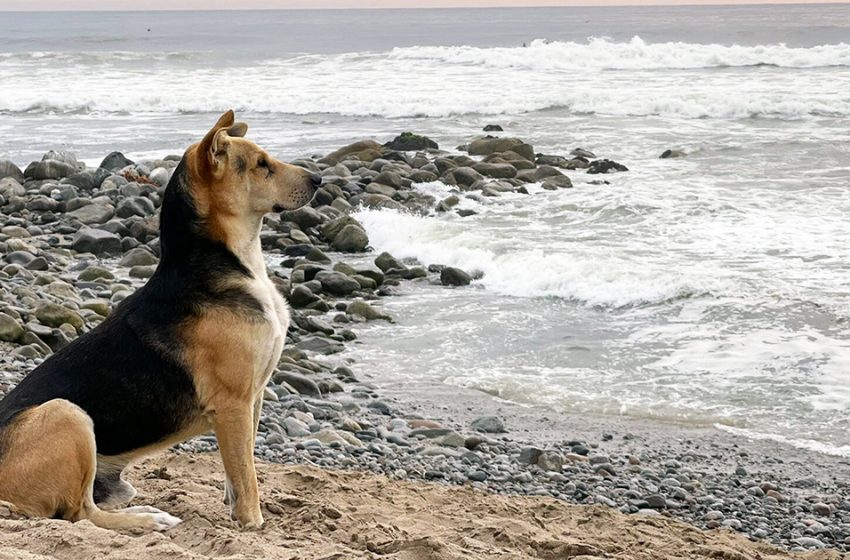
(450, 276)
(350, 239)
(492, 144)
(97, 241)
(298, 250)
(49, 169)
(554, 161)
(489, 425)
(466, 212)
(496, 170)
(580, 152)
(366, 311)
(337, 283)
(493, 128)
(463, 177)
(302, 296)
(364, 150)
(386, 261)
(672, 154)
(605, 166)
(320, 345)
(115, 161)
(9, 169)
(407, 141)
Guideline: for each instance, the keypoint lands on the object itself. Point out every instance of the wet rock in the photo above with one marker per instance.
(493, 128)
(463, 177)
(9, 169)
(337, 283)
(492, 144)
(362, 309)
(450, 276)
(407, 141)
(667, 154)
(605, 166)
(320, 345)
(387, 262)
(582, 153)
(350, 239)
(364, 150)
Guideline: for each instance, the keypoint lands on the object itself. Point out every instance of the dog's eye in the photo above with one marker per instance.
(262, 163)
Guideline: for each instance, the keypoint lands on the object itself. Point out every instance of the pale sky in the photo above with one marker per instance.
(26, 5)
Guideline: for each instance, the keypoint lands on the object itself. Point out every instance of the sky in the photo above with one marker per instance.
(26, 5)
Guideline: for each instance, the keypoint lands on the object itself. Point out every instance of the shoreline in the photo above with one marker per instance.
(317, 412)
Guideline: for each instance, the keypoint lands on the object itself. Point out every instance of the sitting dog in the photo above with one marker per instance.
(189, 352)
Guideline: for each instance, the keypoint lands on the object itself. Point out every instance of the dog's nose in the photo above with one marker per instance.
(315, 180)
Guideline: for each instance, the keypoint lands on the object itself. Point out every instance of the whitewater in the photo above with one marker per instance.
(709, 290)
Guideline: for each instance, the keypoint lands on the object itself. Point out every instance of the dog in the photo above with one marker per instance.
(189, 352)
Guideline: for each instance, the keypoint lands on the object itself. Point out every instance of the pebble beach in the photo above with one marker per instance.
(77, 239)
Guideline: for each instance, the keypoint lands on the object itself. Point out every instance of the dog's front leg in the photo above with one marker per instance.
(234, 431)
(228, 486)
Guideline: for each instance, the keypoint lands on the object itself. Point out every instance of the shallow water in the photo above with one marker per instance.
(709, 290)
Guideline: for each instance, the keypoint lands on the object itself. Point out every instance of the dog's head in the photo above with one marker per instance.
(233, 177)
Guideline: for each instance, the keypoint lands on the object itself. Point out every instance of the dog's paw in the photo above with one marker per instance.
(163, 521)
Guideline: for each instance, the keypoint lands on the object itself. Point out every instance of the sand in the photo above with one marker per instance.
(320, 514)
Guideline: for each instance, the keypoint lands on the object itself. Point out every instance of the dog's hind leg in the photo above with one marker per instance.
(49, 465)
(110, 490)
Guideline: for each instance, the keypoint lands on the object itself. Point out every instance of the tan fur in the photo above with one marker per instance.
(50, 452)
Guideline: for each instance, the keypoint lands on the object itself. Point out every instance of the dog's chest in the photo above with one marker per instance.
(272, 332)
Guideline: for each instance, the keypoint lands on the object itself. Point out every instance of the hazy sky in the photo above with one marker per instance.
(267, 4)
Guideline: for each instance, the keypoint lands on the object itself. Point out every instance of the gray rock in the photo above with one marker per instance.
(550, 461)
(138, 257)
(491, 145)
(386, 262)
(304, 217)
(160, 176)
(50, 169)
(295, 427)
(93, 213)
(463, 177)
(302, 296)
(301, 383)
(55, 315)
(135, 206)
(320, 345)
(9, 169)
(489, 425)
(97, 241)
(666, 154)
(10, 329)
(529, 455)
(337, 283)
(351, 239)
(450, 276)
(115, 161)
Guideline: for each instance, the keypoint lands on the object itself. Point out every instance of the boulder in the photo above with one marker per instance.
(330, 229)
(97, 241)
(301, 383)
(407, 141)
(337, 283)
(87, 180)
(489, 425)
(450, 276)
(135, 206)
(10, 329)
(362, 309)
(386, 261)
(462, 176)
(9, 169)
(50, 169)
(304, 217)
(667, 154)
(375, 202)
(115, 161)
(496, 170)
(493, 128)
(364, 150)
(351, 239)
(582, 153)
(491, 145)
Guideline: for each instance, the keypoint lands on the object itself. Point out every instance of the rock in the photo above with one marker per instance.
(160, 176)
(809, 542)
(10, 329)
(376, 201)
(364, 150)
(386, 262)
(62, 156)
(462, 176)
(96, 241)
(55, 315)
(492, 144)
(656, 501)
(93, 213)
(115, 161)
(305, 217)
(477, 476)
(295, 427)
(337, 283)
(496, 170)
(10, 187)
(489, 425)
(450, 276)
(138, 257)
(822, 509)
(493, 128)
(407, 141)
(301, 383)
(95, 272)
(666, 154)
(9, 169)
(582, 153)
(50, 169)
(142, 271)
(362, 309)
(550, 461)
(302, 296)
(320, 345)
(605, 166)
(350, 239)
(529, 455)
(135, 206)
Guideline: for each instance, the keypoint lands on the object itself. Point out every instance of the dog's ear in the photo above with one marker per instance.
(214, 143)
(238, 129)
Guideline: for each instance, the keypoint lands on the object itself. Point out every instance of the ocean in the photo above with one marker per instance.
(710, 290)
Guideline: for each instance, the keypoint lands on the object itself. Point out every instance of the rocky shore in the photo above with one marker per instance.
(75, 241)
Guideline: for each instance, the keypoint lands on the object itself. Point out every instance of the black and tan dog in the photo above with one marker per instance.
(189, 352)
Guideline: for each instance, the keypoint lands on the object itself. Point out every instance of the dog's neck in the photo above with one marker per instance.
(243, 240)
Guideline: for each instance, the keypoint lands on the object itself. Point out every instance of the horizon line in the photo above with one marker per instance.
(579, 4)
